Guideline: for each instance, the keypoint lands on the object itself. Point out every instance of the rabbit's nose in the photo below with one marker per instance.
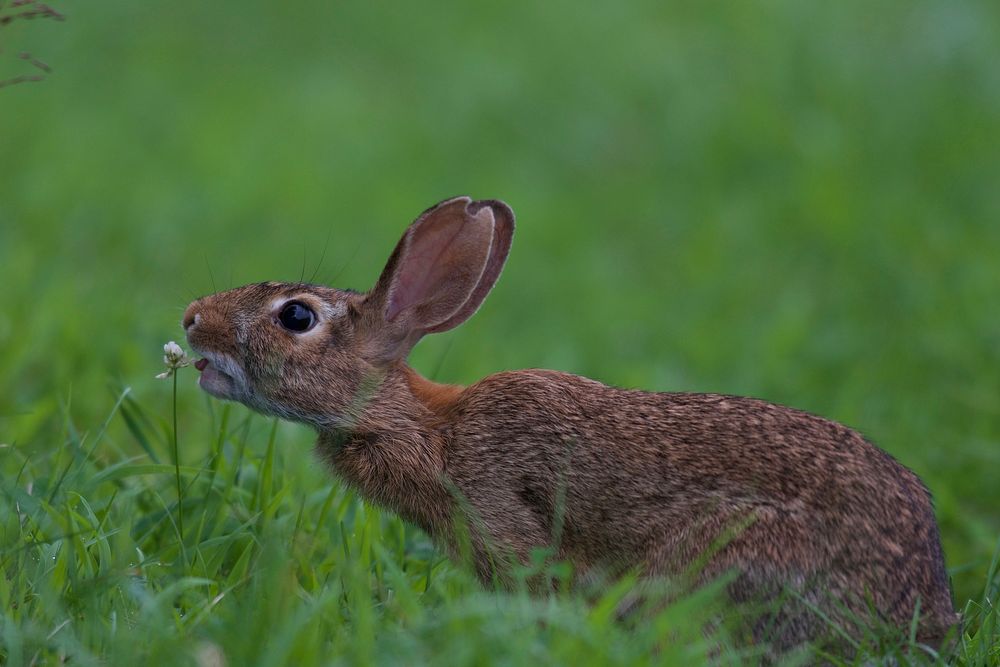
(191, 317)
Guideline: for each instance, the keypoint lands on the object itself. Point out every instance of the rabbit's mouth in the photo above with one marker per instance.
(221, 377)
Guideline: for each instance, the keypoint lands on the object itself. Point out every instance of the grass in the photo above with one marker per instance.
(777, 199)
(278, 568)
(281, 567)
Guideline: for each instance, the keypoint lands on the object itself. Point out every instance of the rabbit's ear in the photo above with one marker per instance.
(503, 233)
(440, 272)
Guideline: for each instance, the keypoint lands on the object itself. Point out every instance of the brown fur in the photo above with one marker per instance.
(657, 481)
(439, 399)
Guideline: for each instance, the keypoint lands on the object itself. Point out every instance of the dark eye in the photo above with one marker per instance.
(296, 317)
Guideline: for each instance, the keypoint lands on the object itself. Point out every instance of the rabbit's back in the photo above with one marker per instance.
(624, 478)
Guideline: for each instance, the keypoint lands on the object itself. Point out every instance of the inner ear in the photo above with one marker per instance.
(443, 257)
(438, 274)
(503, 235)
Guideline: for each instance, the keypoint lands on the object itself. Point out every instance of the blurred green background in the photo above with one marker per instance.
(795, 201)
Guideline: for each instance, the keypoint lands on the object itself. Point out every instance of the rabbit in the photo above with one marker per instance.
(612, 480)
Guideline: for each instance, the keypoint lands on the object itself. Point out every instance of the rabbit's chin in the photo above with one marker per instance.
(217, 383)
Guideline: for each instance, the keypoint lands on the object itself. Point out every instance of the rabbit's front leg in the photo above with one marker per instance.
(500, 533)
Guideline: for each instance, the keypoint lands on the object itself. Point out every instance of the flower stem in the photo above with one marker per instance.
(177, 470)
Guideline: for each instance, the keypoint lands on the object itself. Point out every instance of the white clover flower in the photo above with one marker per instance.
(174, 357)
(210, 655)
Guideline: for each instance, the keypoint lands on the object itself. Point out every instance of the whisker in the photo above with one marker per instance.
(211, 275)
(343, 267)
(326, 244)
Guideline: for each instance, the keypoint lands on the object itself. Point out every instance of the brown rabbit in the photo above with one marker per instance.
(792, 502)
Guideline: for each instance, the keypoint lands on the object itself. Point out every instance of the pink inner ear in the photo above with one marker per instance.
(503, 234)
(423, 266)
(442, 260)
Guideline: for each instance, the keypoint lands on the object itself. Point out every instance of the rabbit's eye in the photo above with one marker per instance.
(296, 317)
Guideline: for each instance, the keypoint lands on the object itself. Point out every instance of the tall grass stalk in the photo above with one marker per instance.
(177, 470)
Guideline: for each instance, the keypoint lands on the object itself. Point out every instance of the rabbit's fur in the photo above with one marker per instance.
(611, 479)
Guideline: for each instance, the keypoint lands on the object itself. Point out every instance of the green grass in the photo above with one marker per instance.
(779, 199)
(280, 567)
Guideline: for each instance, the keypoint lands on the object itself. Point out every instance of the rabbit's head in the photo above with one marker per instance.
(306, 352)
